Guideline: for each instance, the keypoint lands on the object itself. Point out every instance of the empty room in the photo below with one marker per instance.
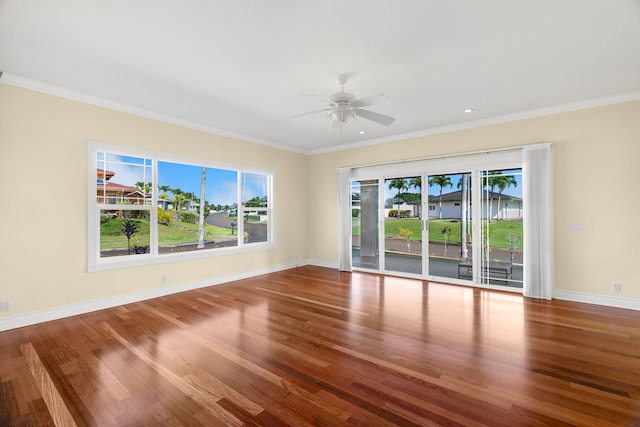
(328, 213)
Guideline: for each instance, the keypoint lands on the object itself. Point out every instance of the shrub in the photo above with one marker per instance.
(393, 213)
(164, 217)
(106, 216)
(189, 217)
(355, 213)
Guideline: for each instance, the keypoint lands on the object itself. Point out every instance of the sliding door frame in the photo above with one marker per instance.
(473, 163)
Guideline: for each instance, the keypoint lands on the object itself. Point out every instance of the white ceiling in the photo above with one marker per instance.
(242, 67)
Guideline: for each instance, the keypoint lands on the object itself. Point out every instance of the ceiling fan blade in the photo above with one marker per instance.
(375, 117)
(308, 112)
(372, 100)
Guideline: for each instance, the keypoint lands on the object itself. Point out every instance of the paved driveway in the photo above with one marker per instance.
(256, 232)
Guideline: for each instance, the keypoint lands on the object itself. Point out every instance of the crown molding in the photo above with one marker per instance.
(116, 106)
(523, 115)
(73, 95)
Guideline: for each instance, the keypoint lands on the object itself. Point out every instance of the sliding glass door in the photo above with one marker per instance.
(443, 222)
(501, 231)
(449, 226)
(365, 247)
(403, 225)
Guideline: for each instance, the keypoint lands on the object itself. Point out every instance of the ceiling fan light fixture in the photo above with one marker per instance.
(344, 106)
(341, 114)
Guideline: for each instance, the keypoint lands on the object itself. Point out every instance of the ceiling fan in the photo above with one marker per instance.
(344, 106)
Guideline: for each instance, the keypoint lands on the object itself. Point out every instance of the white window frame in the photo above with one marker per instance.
(97, 263)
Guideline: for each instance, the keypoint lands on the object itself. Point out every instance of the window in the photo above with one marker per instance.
(148, 207)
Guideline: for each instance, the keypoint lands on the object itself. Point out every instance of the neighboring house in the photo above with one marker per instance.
(510, 206)
(114, 193)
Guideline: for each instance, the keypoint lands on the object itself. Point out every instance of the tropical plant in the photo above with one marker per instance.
(129, 228)
(179, 198)
(442, 181)
(416, 182)
(406, 234)
(144, 187)
(504, 182)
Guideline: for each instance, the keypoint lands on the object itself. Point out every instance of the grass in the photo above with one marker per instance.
(498, 230)
(111, 236)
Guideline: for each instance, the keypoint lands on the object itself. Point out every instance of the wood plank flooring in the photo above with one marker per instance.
(314, 346)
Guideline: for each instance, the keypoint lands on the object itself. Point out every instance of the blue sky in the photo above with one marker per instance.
(222, 185)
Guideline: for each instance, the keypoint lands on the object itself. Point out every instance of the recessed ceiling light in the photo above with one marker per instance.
(361, 132)
(468, 110)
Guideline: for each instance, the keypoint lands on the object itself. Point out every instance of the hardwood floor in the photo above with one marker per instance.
(313, 346)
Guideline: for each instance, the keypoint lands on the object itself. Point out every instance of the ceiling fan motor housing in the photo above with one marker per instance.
(341, 110)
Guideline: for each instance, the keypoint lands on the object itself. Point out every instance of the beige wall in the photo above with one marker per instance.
(43, 170)
(43, 225)
(596, 168)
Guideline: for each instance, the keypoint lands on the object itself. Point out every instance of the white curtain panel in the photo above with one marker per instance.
(344, 216)
(538, 220)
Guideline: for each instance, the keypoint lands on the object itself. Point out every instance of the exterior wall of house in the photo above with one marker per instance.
(507, 210)
(587, 145)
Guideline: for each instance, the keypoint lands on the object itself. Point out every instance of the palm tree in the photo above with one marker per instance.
(416, 182)
(145, 187)
(400, 184)
(164, 196)
(177, 196)
(504, 182)
(441, 181)
(203, 186)
(497, 179)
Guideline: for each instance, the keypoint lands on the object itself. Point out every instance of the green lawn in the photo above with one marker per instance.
(498, 230)
(111, 236)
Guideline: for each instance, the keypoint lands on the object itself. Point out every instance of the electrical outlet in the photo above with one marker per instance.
(165, 278)
(616, 286)
(5, 305)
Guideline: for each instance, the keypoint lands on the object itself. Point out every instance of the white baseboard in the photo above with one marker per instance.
(76, 309)
(319, 263)
(619, 302)
(86, 307)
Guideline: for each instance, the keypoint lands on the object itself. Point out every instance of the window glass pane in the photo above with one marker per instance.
(180, 190)
(123, 180)
(501, 231)
(255, 207)
(124, 233)
(193, 207)
(256, 225)
(254, 190)
(364, 224)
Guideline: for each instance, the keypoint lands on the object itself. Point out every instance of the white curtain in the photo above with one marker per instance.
(344, 219)
(537, 183)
